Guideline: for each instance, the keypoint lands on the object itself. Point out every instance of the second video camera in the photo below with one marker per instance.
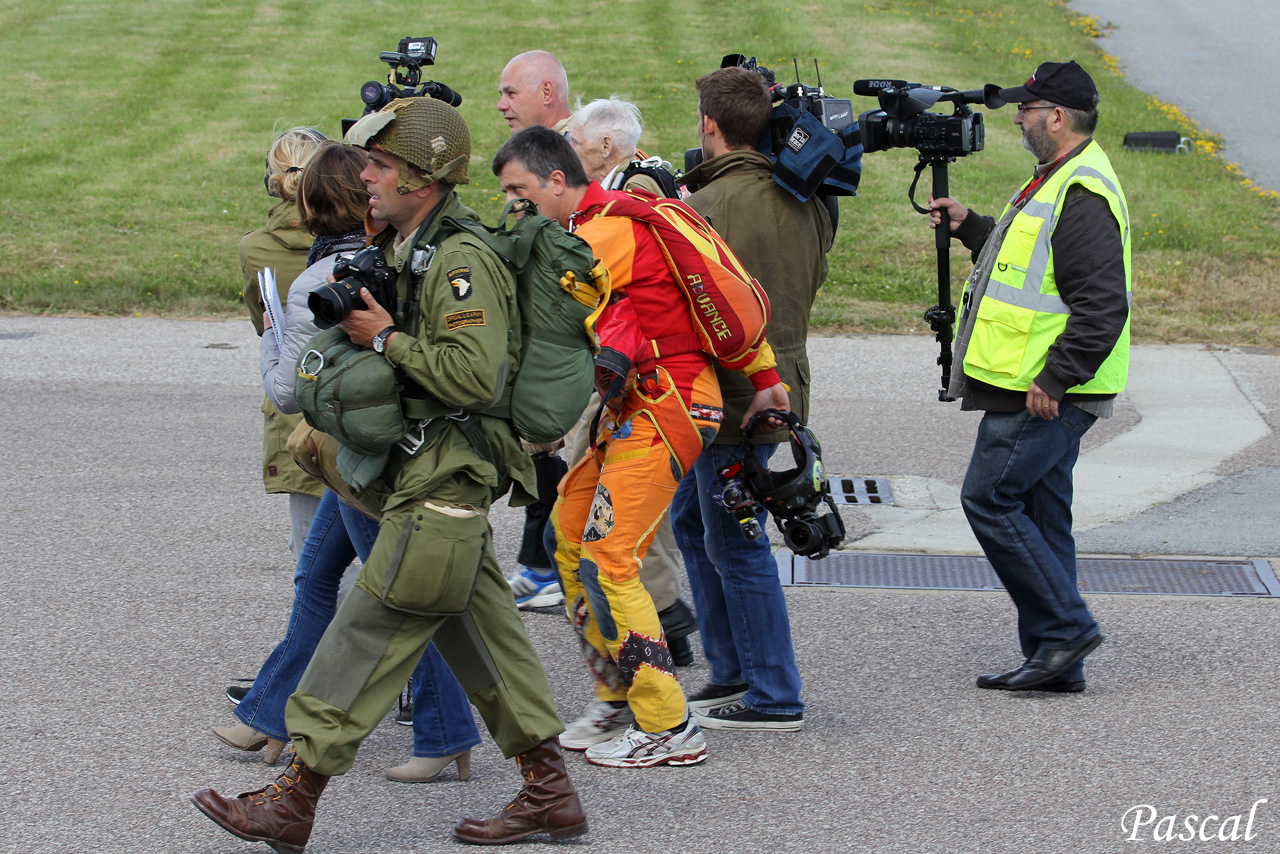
(405, 80)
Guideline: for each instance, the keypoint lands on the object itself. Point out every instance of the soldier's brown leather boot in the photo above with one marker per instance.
(548, 803)
(280, 814)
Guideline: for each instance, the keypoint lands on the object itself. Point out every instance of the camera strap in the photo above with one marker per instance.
(911, 191)
(414, 271)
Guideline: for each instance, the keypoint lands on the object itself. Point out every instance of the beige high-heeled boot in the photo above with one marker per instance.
(425, 769)
(244, 737)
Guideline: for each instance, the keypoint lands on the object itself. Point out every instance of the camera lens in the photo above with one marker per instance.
(801, 538)
(374, 94)
(330, 303)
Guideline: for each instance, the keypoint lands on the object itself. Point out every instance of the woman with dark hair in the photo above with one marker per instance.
(332, 201)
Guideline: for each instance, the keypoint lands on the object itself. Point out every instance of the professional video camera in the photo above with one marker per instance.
(368, 268)
(791, 497)
(812, 138)
(834, 113)
(902, 122)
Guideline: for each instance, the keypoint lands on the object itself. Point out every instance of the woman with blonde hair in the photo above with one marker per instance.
(282, 245)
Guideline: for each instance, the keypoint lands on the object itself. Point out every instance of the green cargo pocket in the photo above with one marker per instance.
(999, 338)
(426, 560)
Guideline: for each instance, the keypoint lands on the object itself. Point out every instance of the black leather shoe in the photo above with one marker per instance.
(681, 651)
(678, 622)
(1000, 681)
(1048, 665)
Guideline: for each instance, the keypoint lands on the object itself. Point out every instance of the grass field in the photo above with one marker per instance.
(131, 161)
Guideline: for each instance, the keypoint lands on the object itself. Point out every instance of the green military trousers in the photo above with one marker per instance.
(432, 575)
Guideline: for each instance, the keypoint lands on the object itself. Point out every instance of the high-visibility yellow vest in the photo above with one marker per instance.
(1021, 314)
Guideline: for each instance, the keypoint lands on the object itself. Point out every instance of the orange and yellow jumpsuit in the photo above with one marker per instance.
(659, 414)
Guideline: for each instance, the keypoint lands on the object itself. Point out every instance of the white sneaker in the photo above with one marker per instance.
(599, 722)
(531, 592)
(636, 748)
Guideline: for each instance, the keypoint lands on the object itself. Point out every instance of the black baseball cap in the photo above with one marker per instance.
(1062, 83)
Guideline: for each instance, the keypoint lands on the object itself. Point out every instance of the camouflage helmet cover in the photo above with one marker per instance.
(423, 131)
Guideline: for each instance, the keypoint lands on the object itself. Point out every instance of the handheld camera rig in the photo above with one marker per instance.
(902, 122)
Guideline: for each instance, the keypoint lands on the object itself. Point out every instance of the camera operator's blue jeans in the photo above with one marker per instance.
(742, 613)
(1017, 498)
(442, 721)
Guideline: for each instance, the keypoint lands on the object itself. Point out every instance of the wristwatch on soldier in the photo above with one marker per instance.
(380, 340)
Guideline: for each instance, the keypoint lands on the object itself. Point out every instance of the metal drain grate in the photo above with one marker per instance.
(1205, 577)
(861, 490)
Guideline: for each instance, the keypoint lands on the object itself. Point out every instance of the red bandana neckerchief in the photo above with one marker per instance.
(1028, 190)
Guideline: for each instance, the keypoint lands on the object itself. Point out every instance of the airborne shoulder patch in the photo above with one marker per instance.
(459, 319)
(460, 282)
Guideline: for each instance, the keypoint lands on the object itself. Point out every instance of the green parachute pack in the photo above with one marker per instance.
(556, 276)
(354, 394)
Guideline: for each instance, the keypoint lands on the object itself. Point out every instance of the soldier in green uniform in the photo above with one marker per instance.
(432, 572)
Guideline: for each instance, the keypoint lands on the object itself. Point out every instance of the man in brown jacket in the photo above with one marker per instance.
(742, 614)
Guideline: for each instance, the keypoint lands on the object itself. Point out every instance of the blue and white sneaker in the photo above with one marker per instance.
(636, 748)
(533, 590)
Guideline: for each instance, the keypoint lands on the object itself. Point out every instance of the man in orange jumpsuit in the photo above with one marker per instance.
(661, 407)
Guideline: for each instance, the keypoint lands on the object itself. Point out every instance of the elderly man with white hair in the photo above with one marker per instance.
(605, 134)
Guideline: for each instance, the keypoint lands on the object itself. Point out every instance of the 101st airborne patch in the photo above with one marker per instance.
(460, 283)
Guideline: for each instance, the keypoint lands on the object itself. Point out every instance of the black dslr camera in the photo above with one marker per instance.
(791, 497)
(368, 268)
(405, 78)
(901, 121)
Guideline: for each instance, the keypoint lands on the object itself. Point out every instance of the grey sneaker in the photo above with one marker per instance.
(600, 722)
(636, 748)
(713, 696)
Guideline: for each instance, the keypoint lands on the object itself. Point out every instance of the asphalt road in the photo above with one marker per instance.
(144, 569)
(1213, 60)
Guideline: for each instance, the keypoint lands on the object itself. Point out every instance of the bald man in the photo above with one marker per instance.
(534, 90)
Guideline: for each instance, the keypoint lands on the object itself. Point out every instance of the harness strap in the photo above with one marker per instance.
(426, 408)
(674, 345)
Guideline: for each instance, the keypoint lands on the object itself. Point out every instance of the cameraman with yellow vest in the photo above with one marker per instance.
(1042, 347)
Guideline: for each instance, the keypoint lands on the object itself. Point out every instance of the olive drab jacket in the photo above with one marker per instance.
(283, 246)
(461, 346)
(783, 243)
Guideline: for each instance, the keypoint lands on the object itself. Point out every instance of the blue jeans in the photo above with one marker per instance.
(742, 613)
(1017, 498)
(337, 534)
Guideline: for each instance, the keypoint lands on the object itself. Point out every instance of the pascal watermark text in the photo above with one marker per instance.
(1145, 822)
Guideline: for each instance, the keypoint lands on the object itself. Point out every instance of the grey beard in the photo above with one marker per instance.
(1040, 146)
